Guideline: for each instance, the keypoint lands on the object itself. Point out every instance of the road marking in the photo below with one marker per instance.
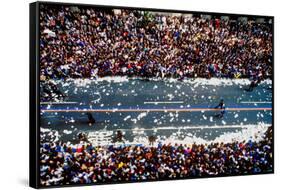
(192, 127)
(250, 102)
(164, 102)
(58, 103)
(155, 110)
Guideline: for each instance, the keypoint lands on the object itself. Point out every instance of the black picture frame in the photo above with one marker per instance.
(34, 93)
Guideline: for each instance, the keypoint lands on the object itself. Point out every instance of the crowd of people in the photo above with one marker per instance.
(62, 163)
(88, 43)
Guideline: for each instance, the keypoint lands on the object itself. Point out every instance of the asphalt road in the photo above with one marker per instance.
(138, 98)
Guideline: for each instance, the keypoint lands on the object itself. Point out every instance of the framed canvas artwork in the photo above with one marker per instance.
(127, 94)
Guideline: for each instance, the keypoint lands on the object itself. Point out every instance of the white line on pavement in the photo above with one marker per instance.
(164, 102)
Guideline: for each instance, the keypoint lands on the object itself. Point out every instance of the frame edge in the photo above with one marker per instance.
(33, 121)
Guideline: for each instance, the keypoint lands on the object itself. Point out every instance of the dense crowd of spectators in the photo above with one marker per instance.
(61, 163)
(84, 43)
